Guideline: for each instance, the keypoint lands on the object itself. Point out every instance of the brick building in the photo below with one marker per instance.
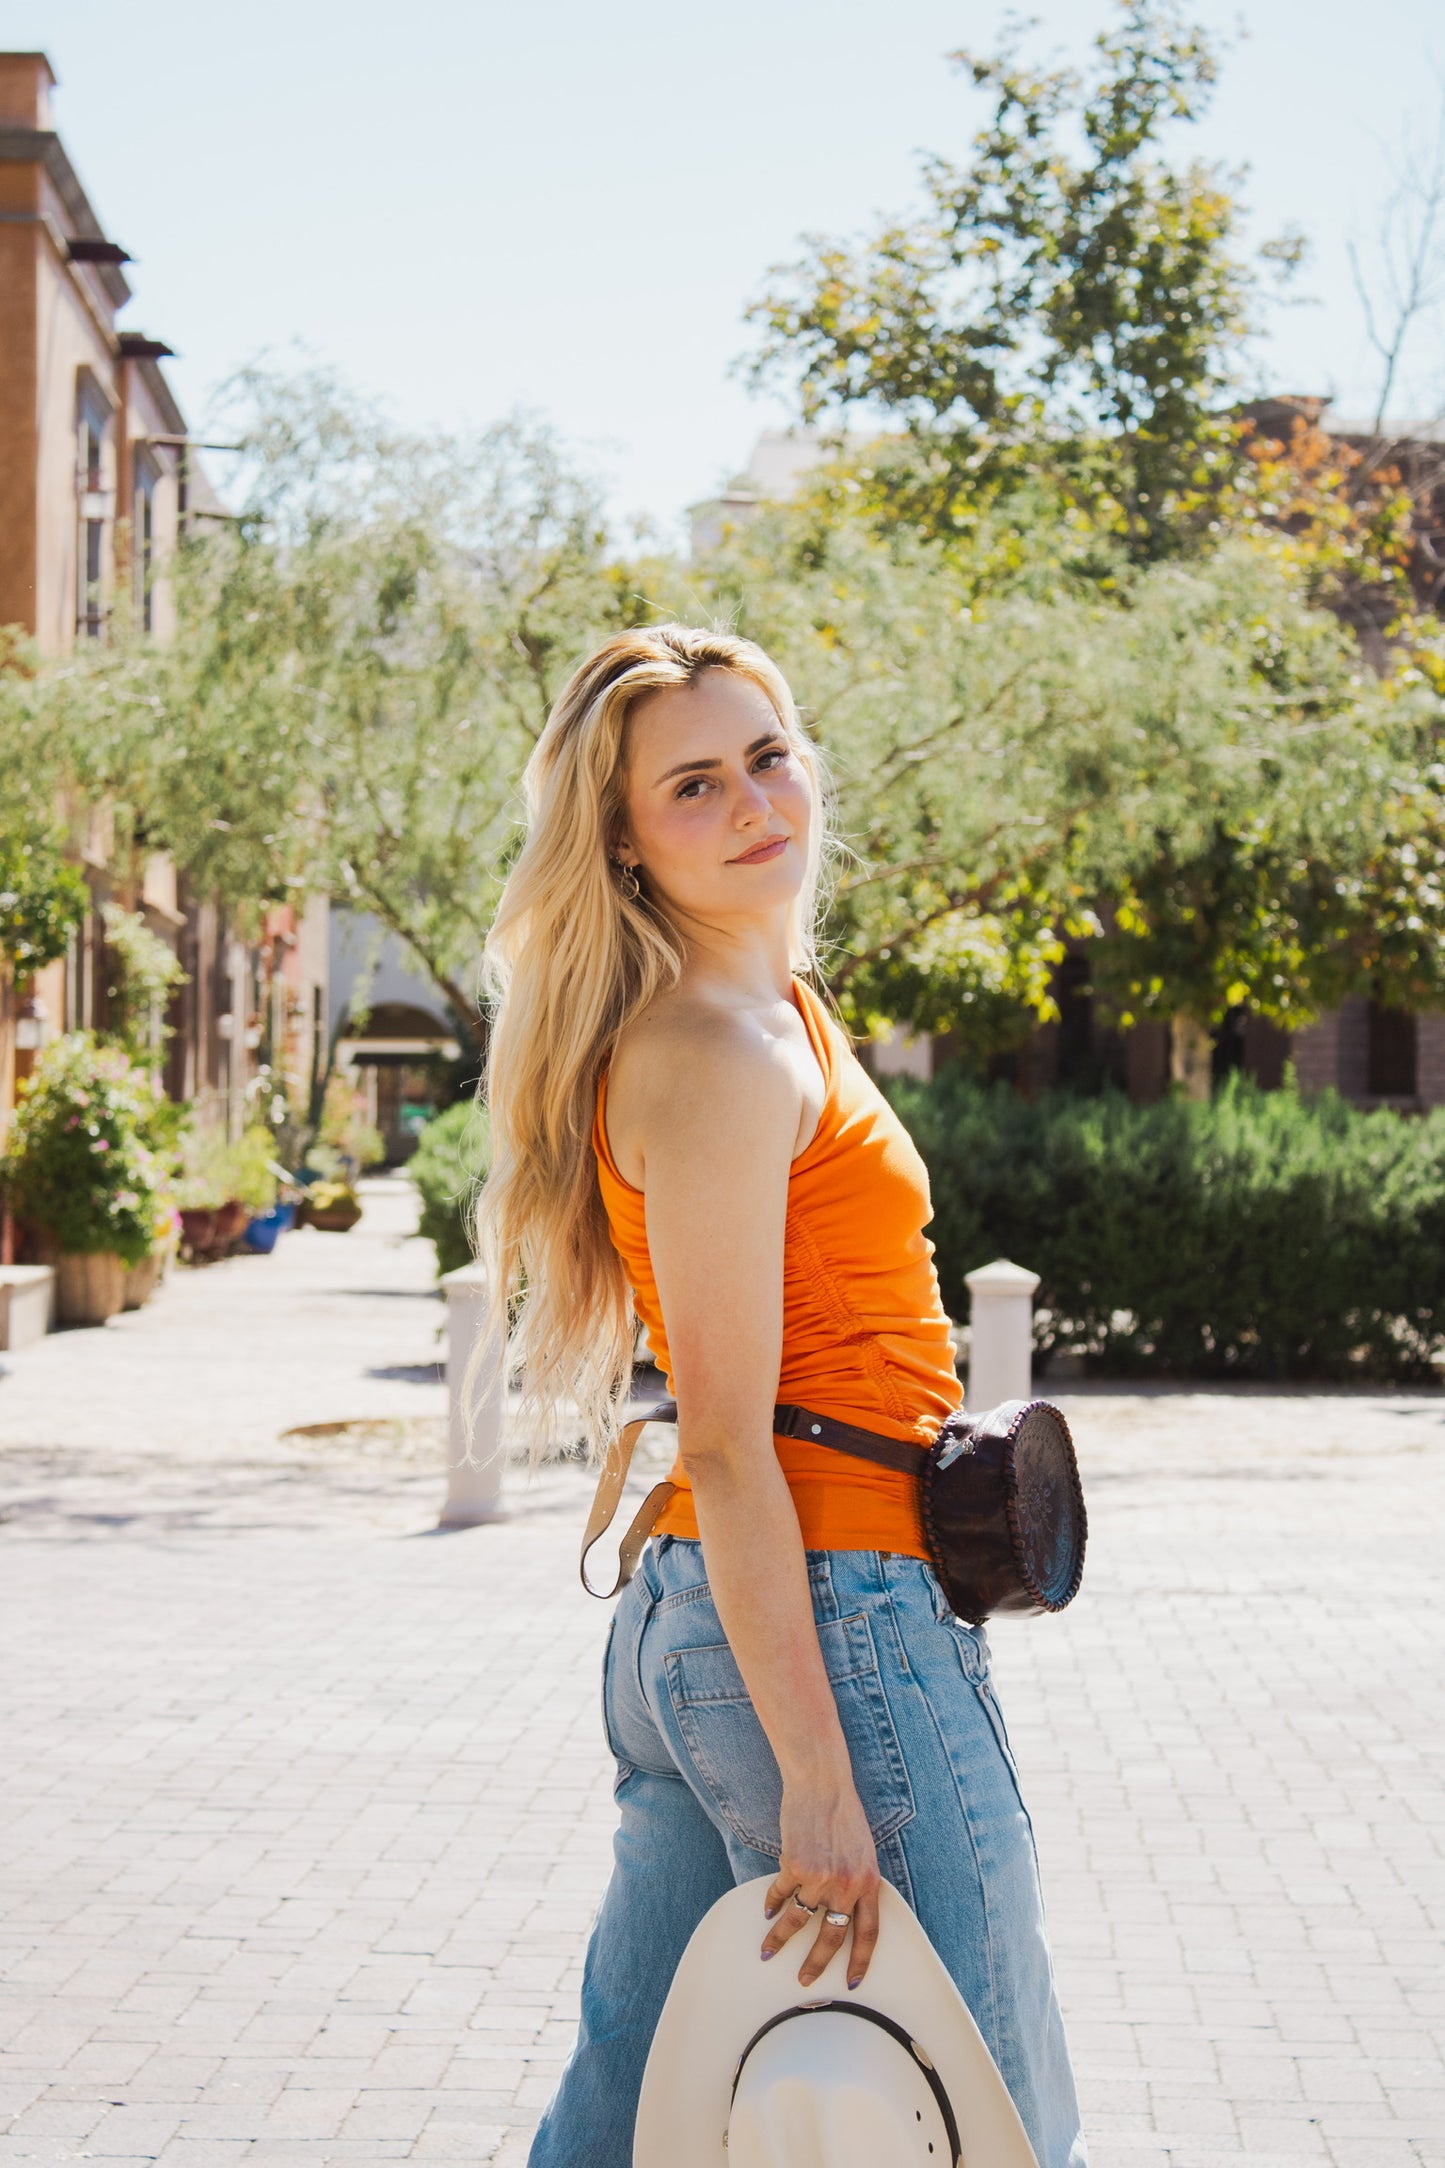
(98, 482)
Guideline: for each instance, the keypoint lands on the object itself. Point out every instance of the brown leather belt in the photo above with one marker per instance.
(788, 1422)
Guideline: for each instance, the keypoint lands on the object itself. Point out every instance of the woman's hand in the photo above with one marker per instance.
(829, 1865)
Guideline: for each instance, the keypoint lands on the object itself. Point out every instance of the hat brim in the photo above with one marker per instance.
(722, 1993)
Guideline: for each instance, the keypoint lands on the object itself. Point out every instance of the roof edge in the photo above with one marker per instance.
(43, 146)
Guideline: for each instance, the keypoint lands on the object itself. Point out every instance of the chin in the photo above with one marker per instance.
(765, 887)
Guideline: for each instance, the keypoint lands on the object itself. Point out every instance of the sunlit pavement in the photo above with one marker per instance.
(304, 1806)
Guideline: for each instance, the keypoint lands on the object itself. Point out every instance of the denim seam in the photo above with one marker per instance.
(898, 1852)
(643, 1624)
(623, 1767)
(984, 1690)
(899, 1643)
(699, 1593)
(890, 1745)
(995, 2003)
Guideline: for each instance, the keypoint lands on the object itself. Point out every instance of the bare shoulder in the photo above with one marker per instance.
(688, 1066)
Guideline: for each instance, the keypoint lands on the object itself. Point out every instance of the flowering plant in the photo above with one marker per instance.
(85, 1164)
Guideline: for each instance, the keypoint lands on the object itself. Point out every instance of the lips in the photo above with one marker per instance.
(761, 852)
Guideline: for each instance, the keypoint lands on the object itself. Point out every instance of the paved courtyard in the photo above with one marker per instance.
(303, 1805)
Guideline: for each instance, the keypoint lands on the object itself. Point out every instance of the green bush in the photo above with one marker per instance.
(251, 1169)
(1259, 1236)
(450, 1161)
(205, 1177)
(86, 1163)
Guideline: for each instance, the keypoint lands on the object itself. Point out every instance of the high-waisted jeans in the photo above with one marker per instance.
(699, 1793)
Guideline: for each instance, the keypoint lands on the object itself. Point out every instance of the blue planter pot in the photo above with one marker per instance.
(266, 1228)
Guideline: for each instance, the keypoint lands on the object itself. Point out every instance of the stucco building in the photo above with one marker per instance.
(98, 483)
(391, 1032)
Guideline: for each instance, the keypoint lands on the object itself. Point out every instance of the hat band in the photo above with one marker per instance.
(889, 2025)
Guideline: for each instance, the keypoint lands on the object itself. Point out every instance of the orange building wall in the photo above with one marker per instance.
(19, 400)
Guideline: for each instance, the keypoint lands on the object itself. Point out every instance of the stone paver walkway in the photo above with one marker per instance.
(303, 1806)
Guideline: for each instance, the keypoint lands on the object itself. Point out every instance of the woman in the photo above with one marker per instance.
(681, 1135)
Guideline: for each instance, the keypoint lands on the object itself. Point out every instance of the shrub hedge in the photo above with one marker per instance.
(451, 1158)
(1259, 1236)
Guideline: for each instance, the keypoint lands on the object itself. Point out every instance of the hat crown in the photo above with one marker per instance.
(822, 2090)
(723, 2009)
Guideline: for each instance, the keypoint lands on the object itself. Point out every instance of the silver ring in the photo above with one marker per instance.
(798, 1901)
(838, 1919)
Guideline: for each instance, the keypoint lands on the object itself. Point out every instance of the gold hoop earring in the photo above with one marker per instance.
(628, 882)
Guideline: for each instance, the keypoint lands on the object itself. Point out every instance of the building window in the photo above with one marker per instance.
(95, 506)
(143, 530)
(92, 610)
(1393, 1054)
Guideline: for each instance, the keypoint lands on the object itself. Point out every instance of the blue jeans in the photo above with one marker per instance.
(699, 1793)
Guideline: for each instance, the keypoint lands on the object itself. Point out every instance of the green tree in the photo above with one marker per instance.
(43, 897)
(1195, 769)
(142, 973)
(361, 668)
(1065, 312)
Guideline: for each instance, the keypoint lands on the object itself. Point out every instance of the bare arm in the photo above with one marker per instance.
(718, 1119)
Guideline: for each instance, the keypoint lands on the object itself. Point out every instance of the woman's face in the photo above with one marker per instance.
(717, 809)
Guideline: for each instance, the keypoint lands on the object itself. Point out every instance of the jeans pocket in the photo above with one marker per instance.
(729, 1749)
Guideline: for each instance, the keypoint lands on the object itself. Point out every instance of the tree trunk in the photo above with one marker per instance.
(1191, 1055)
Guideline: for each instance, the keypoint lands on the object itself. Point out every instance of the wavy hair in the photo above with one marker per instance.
(570, 960)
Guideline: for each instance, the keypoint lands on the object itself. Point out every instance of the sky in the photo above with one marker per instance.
(469, 208)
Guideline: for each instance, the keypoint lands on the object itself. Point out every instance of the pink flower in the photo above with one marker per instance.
(101, 1144)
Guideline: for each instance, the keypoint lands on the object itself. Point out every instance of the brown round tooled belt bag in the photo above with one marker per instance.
(1001, 1501)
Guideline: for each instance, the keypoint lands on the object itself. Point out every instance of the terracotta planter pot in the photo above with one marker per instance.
(89, 1289)
(336, 1219)
(232, 1220)
(198, 1230)
(143, 1279)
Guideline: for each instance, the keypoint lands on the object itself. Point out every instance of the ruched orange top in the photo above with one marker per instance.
(865, 1336)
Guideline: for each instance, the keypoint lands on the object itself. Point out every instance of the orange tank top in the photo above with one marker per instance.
(865, 1336)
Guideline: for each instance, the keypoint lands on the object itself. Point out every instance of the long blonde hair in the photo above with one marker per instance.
(570, 960)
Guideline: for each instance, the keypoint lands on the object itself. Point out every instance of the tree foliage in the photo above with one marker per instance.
(43, 896)
(1066, 306)
(1195, 768)
(142, 973)
(361, 669)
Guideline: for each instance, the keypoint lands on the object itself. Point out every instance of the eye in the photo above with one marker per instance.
(770, 757)
(693, 787)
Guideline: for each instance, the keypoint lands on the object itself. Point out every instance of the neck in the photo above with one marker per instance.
(747, 961)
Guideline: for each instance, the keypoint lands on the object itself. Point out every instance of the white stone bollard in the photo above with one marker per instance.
(474, 1448)
(1001, 1344)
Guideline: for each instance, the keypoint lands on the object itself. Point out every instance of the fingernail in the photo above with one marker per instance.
(855, 1983)
(770, 1912)
(767, 1954)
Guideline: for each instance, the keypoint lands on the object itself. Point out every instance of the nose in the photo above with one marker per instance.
(752, 803)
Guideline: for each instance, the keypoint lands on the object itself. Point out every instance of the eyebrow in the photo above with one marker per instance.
(696, 767)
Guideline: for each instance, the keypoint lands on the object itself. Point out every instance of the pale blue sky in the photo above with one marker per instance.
(466, 206)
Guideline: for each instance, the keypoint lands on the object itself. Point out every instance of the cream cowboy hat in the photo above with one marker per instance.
(749, 2070)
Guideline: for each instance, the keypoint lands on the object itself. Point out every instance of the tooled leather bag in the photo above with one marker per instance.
(1000, 1497)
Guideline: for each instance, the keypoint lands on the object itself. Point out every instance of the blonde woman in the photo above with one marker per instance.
(681, 1135)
